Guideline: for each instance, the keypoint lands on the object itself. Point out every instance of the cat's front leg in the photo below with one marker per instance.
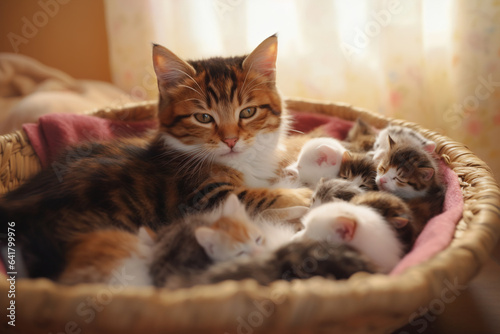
(273, 201)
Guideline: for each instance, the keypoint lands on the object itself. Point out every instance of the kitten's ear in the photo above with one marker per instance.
(344, 227)
(169, 68)
(292, 171)
(430, 146)
(391, 142)
(263, 58)
(399, 222)
(146, 235)
(231, 205)
(426, 173)
(206, 237)
(326, 154)
(346, 156)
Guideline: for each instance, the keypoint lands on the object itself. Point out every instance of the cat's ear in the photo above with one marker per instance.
(391, 142)
(430, 146)
(346, 156)
(146, 235)
(344, 227)
(207, 239)
(326, 154)
(292, 171)
(426, 173)
(231, 206)
(263, 58)
(169, 68)
(399, 222)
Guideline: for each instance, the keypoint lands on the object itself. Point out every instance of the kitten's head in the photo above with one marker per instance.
(406, 171)
(395, 211)
(334, 190)
(359, 169)
(319, 157)
(361, 136)
(232, 235)
(357, 225)
(219, 107)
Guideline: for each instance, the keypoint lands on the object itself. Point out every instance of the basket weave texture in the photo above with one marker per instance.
(363, 304)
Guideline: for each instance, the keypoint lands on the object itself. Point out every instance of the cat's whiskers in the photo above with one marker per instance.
(190, 77)
(186, 86)
(191, 99)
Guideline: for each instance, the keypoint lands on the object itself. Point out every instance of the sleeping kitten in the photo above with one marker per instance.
(359, 169)
(361, 137)
(357, 225)
(221, 126)
(296, 260)
(334, 190)
(319, 157)
(407, 171)
(200, 240)
(100, 256)
(395, 211)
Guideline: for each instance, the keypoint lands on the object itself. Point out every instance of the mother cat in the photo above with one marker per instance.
(222, 126)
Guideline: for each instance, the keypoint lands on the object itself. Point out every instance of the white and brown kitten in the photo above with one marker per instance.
(318, 158)
(359, 226)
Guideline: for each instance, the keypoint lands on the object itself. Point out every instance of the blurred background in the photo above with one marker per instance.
(434, 62)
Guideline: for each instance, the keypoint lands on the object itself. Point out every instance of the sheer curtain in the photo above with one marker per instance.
(435, 62)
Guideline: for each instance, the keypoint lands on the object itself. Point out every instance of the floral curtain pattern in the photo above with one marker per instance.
(434, 62)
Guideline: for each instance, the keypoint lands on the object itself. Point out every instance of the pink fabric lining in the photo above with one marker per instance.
(55, 131)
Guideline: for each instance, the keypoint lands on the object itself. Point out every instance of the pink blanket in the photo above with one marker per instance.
(55, 131)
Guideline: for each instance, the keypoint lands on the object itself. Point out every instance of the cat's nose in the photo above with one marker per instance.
(230, 142)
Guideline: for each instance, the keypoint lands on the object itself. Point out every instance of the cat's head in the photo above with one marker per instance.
(361, 136)
(232, 235)
(334, 190)
(318, 158)
(406, 171)
(219, 107)
(359, 169)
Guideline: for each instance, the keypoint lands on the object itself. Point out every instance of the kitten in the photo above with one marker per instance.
(334, 190)
(319, 157)
(221, 123)
(401, 135)
(361, 137)
(199, 240)
(359, 169)
(395, 211)
(100, 256)
(357, 225)
(296, 260)
(407, 171)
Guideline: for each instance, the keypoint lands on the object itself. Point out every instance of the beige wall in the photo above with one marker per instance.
(68, 34)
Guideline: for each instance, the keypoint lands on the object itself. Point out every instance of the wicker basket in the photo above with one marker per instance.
(364, 303)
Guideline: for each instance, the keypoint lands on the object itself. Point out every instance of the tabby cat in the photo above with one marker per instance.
(221, 126)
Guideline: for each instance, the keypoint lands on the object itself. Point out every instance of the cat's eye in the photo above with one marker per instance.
(240, 253)
(248, 112)
(203, 118)
(259, 240)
